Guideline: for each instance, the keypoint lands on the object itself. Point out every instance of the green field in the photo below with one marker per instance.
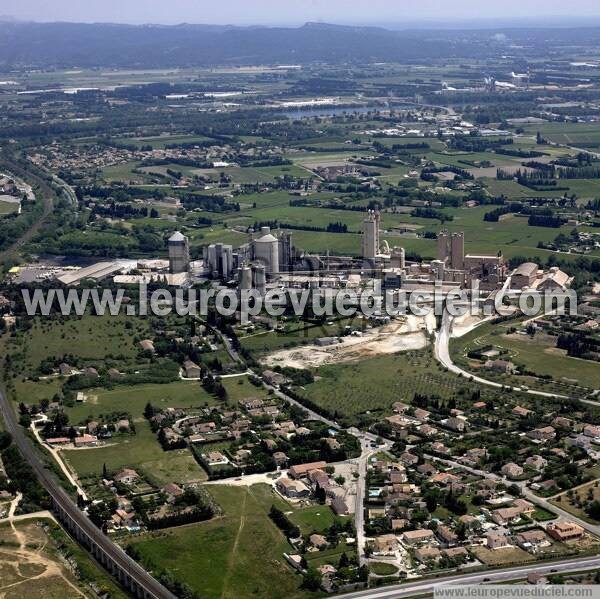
(585, 135)
(140, 451)
(373, 385)
(295, 333)
(133, 399)
(537, 354)
(314, 519)
(91, 338)
(237, 555)
(7, 207)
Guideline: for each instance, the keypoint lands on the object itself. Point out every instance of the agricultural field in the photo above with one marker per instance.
(576, 500)
(504, 556)
(162, 141)
(237, 554)
(371, 386)
(584, 135)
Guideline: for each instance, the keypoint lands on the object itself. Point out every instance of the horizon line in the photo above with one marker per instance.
(530, 22)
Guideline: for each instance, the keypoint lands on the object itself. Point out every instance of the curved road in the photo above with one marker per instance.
(442, 355)
(60, 497)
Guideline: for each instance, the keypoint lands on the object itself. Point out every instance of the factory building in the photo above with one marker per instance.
(370, 240)
(451, 249)
(266, 251)
(179, 253)
(219, 260)
(398, 258)
(286, 252)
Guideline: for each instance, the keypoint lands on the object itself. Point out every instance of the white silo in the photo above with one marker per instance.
(266, 251)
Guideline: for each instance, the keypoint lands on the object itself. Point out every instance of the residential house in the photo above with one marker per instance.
(409, 459)
(318, 541)
(280, 458)
(422, 415)
(565, 530)
(172, 491)
(339, 506)
(502, 366)
(399, 523)
(457, 424)
(496, 540)
(147, 345)
(545, 433)
(512, 470)
(416, 537)
(85, 440)
(532, 540)
(506, 515)
(592, 431)
(521, 412)
(385, 544)
(191, 370)
(215, 458)
(127, 476)
(399, 407)
(294, 489)
(446, 535)
(455, 553)
(537, 462)
(274, 378)
(427, 554)
(563, 423)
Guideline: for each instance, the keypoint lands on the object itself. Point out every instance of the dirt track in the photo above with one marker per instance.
(27, 567)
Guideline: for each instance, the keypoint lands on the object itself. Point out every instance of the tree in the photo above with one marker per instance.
(593, 510)
(149, 411)
(312, 579)
(514, 490)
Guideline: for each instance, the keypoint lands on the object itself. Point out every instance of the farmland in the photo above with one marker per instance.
(369, 387)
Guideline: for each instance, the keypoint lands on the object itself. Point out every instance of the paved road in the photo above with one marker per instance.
(411, 589)
(58, 494)
(442, 355)
(47, 195)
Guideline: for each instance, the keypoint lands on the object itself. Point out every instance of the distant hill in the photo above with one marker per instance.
(110, 45)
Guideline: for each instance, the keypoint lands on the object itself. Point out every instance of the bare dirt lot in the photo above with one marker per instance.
(404, 334)
(29, 566)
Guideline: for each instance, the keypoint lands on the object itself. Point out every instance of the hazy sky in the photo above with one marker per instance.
(289, 11)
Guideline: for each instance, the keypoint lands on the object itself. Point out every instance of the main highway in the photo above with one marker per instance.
(427, 587)
(143, 579)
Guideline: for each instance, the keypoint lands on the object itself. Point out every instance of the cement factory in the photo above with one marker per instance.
(268, 260)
